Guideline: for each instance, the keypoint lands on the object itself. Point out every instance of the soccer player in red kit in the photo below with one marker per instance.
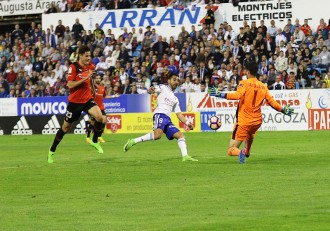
(80, 99)
(251, 94)
(100, 93)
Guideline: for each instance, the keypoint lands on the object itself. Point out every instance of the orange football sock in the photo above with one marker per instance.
(233, 151)
(248, 144)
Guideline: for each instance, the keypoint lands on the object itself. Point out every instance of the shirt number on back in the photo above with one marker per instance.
(254, 98)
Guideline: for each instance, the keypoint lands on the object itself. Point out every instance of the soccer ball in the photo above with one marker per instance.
(214, 122)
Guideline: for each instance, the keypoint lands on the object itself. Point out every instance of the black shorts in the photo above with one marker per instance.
(92, 118)
(74, 110)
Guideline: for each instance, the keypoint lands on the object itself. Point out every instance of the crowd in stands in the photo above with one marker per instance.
(96, 5)
(34, 63)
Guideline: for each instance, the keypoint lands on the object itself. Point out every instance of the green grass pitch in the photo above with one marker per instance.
(284, 185)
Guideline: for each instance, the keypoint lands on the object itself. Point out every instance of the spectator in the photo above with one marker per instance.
(209, 18)
(98, 31)
(187, 86)
(88, 7)
(317, 83)
(324, 58)
(3, 93)
(302, 77)
(4, 84)
(305, 28)
(281, 62)
(51, 9)
(62, 5)
(99, 7)
(307, 57)
(142, 89)
(77, 28)
(298, 35)
(10, 76)
(60, 29)
(17, 33)
(278, 85)
(126, 88)
(291, 82)
(327, 79)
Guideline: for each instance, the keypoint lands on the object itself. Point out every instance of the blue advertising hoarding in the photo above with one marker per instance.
(42, 106)
(57, 105)
(182, 101)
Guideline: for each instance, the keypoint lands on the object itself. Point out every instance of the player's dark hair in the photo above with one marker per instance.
(83, 49)
(252, 67)
(173, 76)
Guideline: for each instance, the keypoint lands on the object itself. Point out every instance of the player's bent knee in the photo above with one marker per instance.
(99, 118)
(157, 136)
(233, 151)
(104, 119)
(178, 135)
(66, 127)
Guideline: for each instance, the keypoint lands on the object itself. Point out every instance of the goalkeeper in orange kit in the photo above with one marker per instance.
(251, 93)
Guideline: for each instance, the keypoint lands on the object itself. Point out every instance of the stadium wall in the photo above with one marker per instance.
(169, 21)
(133, 113)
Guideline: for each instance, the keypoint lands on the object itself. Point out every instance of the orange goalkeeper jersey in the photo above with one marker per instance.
(251, 94)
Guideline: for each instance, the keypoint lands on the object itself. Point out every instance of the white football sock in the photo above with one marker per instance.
(183, 146)
(146, 137)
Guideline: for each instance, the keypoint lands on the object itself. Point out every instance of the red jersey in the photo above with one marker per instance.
(81, 93)
(99, 95)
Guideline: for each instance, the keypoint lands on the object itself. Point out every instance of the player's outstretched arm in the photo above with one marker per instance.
(183, 120)
(286, 110)
(230, 95)
(214, 92)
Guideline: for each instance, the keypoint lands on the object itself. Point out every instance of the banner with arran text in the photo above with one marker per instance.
(166, 21)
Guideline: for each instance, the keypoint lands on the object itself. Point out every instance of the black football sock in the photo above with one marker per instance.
(97, 131)
(89, 128)
(58, 137)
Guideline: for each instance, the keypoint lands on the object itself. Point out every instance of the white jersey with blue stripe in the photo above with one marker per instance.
(167, 102)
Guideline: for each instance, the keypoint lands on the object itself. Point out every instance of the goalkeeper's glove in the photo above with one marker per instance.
(215, 92)
(286, 110)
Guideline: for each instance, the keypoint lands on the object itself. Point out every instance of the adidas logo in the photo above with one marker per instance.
(81, 126)
(22, 128)
(51, 127)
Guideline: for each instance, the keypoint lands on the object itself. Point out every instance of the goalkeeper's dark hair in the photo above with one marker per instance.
(83, 49)
(252, 67)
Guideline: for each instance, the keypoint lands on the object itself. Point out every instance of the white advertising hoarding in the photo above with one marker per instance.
(279, 11)
(8, 107)
(312, 110)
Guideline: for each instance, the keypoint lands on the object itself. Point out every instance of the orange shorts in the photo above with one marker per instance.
(243, 132)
